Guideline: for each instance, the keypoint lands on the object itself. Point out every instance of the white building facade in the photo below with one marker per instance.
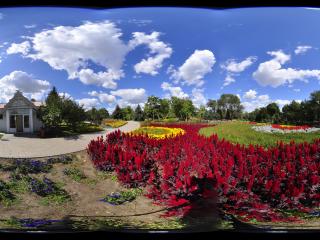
(19, 115)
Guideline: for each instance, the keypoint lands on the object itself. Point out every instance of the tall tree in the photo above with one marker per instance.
(152, 107)
(138, 114)
(51, 113)
(229, 103)
(117, 113)
(127, 113)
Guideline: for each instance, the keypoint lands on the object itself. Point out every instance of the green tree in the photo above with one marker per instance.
(138, 114)
(72, 113)
(164, 108)
(127, 113)
(152, 107)
(117, 113)
(229, 105)
(202, 112)
(182, 108)
(51, 113)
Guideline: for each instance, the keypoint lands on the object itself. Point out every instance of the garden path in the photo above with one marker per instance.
(26, 147)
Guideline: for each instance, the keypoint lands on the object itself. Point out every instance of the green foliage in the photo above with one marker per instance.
(238, 132)
(182, 108)
(127, 113)
(117, 113)
(55, 199)
(97, 115)
(72, 113)
(6, 196)
(152, 108)
(122, 196)
(138, 114)
(75, 174)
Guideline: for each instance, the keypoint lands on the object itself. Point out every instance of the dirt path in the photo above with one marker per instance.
(27, 147)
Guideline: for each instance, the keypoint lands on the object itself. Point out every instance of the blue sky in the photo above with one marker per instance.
(120, 56)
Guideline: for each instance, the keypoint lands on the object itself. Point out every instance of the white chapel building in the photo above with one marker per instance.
(19, 115)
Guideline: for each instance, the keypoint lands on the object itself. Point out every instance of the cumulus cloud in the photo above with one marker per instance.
(76, 48)
(193, 70)
(262, 101)
(88, 103)
(228, 80)
(103, 97)
(130, 97)
(104, 79)
(22, 48)
(251, 94)
(198, 98)
(158, 49)
(65, 95)
(19, 80)
(173, 91)
(73, 49)
(233, 68)
(302, 49)
(236, 67)
(271, 73)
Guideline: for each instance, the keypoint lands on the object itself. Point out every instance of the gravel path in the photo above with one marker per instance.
(26, 147)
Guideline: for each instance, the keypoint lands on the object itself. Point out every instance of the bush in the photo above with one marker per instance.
(250, 182)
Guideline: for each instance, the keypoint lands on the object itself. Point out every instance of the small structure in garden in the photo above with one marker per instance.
(19, 115)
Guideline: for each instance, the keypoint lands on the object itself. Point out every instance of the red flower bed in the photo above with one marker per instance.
(286, 127)
(252, 182)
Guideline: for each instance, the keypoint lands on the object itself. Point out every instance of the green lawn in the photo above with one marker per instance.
(239, 132)
(66, 131)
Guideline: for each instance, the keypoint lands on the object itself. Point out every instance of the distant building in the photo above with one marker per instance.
(19, 115)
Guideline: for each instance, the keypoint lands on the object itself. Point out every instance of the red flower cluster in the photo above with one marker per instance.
(251, 182)
(286, 127)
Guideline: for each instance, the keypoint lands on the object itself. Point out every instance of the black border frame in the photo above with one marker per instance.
(154, 234)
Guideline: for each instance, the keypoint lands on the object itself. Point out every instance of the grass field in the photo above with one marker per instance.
(239, 132)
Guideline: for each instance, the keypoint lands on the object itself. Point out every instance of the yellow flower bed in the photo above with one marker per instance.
(159, 132)
(113, 123)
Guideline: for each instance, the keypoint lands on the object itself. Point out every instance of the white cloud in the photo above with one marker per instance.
(103, 97)
(193, 70)
(251, 94)
(228, 80)
(296, 89)
(198, 98)
(65, 95)
(104, 79)
(73, 49)
(88, 103)
(310, 8)
(30, 26)
(236, 67)
(22, 48)
(302, 49)
(233, 68)
(279, 56)
(262, 101)
(158, 49)
(282, 102)
(271, 73)
(19, 80)
(173, 91)
(130, 96)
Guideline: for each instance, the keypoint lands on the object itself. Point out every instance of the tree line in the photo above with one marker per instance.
(227, 107)
(61, 110)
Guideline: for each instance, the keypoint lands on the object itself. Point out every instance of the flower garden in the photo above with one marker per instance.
(113, 123)
(249, 181)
